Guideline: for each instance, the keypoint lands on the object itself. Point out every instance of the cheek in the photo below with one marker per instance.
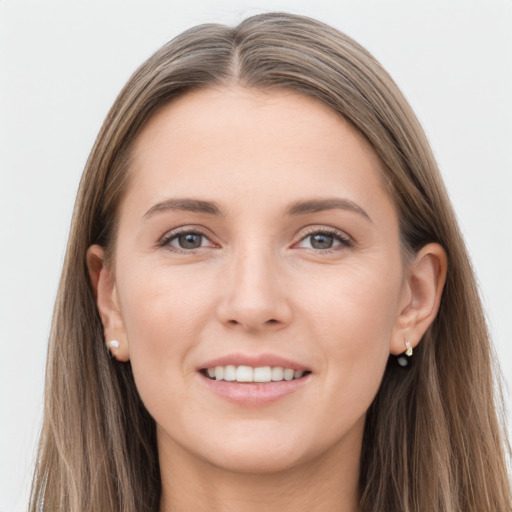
(161, 301)
(163, 314)
(354, 319)
(356, 308)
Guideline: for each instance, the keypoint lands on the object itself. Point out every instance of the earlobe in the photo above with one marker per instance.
(424, 288)
(104, 287)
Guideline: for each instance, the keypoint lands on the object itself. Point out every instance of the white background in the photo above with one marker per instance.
(63, 63)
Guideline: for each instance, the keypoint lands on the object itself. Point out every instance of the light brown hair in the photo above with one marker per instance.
(433, 439)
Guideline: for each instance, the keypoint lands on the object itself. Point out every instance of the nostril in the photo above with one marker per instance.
(271, 321)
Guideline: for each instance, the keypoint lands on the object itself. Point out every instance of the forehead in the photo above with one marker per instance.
(242, 144)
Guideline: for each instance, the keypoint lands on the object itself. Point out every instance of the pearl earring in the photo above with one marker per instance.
(113, 344)
(403, 359)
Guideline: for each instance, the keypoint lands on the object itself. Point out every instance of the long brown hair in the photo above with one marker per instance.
(433, 440)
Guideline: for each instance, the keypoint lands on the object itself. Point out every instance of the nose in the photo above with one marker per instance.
(254, 294)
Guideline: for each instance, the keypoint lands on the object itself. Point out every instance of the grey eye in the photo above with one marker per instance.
(188, 241)
(321, 241)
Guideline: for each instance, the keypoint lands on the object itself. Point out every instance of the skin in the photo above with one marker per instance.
(258, 284)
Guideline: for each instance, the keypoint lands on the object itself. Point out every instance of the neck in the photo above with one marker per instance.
(328, 483)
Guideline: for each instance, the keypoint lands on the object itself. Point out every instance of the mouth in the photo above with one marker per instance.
(254, 380)
(250, 374)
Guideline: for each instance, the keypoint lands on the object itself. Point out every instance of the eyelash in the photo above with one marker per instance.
(167, 239)
(345, 242)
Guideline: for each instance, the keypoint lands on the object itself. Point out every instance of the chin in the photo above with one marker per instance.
(256, 459)
(245, 448)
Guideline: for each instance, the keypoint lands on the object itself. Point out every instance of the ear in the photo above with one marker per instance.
(421, 296)
(104, 286)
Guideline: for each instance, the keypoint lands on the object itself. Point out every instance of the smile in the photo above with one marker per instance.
(254, 380)
(260, 374)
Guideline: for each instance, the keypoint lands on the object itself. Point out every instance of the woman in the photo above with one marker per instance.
(266, 301)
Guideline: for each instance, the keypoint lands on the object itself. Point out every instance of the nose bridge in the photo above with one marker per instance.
(254, 296)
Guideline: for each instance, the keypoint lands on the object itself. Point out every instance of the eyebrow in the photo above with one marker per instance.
(188, 205)
(319, 205)
(296, 208)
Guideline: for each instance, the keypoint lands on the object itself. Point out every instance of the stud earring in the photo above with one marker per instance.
(113, 344)
(403, 359)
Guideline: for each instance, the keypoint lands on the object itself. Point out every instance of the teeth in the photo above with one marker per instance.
(288, 374)
(263, 374)
(249, 374)
(230, 372)
(244, 374)
(277, 373)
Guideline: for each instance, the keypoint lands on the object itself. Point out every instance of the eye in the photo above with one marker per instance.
(186, 241)
(324, 241)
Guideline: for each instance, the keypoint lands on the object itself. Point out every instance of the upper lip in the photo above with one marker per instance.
(254, 360)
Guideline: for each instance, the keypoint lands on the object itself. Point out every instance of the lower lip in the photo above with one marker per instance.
(254, 394)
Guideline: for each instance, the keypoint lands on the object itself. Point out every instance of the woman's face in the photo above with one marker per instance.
(257, 232)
